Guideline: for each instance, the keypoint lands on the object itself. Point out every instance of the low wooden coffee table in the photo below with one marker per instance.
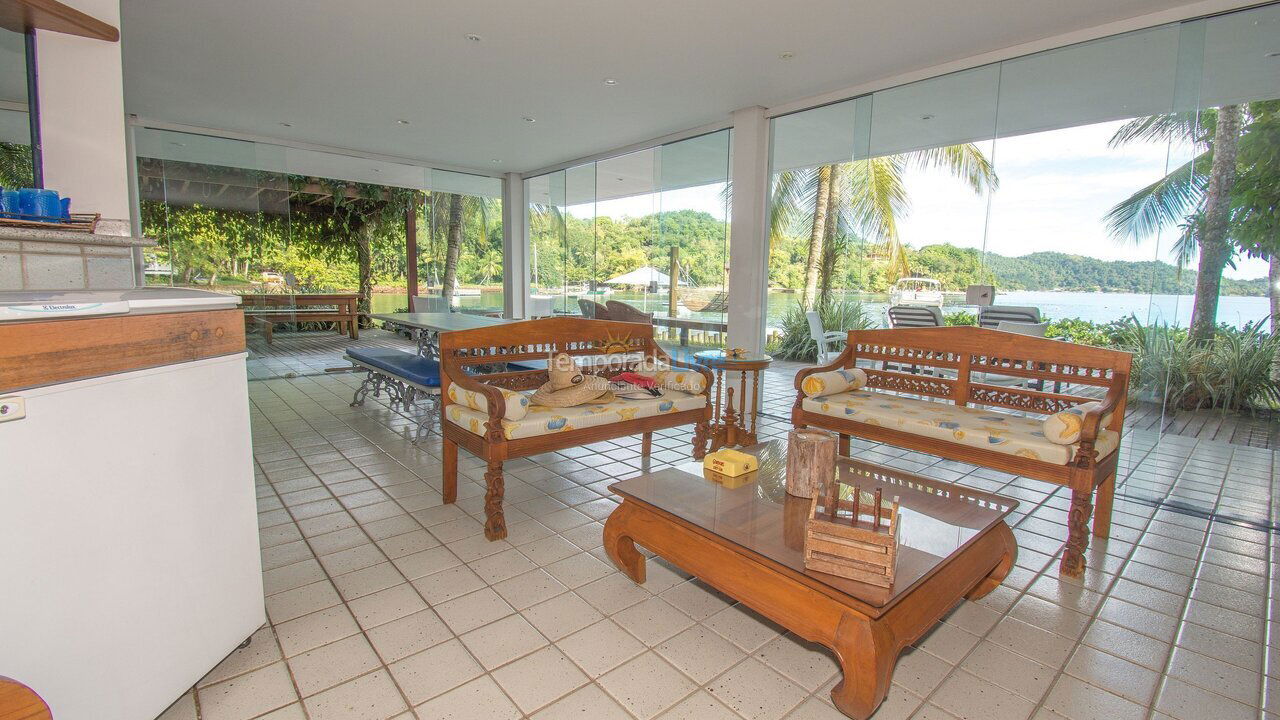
(747, 541)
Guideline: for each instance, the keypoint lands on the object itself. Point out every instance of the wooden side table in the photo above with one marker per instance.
(734, 426)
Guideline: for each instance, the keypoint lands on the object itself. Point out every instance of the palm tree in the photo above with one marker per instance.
(864, 198)
(1198, 196)
(455, 208)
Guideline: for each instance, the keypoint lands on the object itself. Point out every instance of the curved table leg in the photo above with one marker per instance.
(620, 547)
(867, 655)
(1001, 570)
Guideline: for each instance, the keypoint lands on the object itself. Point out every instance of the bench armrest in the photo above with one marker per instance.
(844, 360)
(497, 404)
(1092, 420)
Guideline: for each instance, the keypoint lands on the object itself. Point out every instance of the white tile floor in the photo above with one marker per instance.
(384, 603)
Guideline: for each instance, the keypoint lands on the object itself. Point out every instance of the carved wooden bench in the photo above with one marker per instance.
(933, 390)
(490, 415)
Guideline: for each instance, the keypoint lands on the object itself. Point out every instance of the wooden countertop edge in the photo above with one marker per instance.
(38, 354)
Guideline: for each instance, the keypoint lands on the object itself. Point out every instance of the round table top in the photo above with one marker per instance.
(718, 358)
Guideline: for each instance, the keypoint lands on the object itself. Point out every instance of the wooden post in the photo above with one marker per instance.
(411, 248)
(674, 281)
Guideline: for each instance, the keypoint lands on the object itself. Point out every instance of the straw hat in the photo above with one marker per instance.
(566, 386)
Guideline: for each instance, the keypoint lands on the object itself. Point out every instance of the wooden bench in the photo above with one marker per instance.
(475, 413)
(911, 370)
(268, 310)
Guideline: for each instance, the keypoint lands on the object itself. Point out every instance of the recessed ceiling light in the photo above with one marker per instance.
(619, 179)
(495, 161)
(402, 122)
(926, 117)
(376, 169)
(473, 37)
(1274, 54)
(286, 124)
(178, 144)
(610, 81)
(529, 119)
(787, 55)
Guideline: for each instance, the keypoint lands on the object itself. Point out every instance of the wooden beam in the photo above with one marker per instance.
(23, 15)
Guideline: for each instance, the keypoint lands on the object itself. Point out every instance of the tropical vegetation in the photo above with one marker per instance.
(1222, 200)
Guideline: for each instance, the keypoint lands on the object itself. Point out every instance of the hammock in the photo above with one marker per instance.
(707, 300)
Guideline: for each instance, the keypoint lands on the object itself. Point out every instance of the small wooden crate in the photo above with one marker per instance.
(855, 538)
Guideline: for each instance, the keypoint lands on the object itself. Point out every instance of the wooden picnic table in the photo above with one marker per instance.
(270, 309)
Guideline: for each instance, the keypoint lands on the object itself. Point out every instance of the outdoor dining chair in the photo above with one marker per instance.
(904, 316)
(992, 315)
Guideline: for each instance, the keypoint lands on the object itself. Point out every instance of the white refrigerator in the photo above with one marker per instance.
(129, 555)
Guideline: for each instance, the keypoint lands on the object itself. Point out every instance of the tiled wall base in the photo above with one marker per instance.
(50, 260)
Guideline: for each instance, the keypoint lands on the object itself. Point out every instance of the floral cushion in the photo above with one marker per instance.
(682, 379)
(833, 381)
(545, 420)
(517, 405)
(976, 427)
(1064, 427)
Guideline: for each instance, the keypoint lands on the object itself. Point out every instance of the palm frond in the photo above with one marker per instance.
(966, 161)
(875, 199)
(1163, 128)
(1164, 202)
(791, 204)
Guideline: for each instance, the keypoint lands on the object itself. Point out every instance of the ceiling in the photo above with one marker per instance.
(342, 74)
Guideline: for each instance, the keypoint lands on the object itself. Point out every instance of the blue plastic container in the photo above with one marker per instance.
(27, 201)
(8, 203)
(48, 205)
(66, 209)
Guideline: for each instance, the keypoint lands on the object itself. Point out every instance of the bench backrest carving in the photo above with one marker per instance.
(957, 364)
(622, 345)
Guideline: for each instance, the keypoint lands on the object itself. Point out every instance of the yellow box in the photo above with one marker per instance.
(730, 462)
(732, 483)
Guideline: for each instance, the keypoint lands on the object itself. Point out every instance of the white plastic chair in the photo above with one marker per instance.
(822, 338)
(541, 306)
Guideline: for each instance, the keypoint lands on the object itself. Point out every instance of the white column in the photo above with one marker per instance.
(749, 237)
(515, 248)
(82, 124)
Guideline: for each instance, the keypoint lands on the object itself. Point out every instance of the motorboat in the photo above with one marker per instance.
(916, 291)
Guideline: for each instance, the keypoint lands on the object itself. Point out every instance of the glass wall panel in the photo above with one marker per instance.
(545, 196)
(693, 202)
(460, 241)
(1122, 191)
(606, 231)
(276, 223)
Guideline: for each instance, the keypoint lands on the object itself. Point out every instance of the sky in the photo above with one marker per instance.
(1055, 188)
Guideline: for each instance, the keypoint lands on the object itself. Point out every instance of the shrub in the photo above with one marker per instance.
(795, 342)
(959, 317)
(1083, 332)
(1233, 372)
